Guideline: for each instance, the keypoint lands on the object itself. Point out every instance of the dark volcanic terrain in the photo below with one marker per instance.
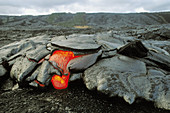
(106, 20)
(77, 98)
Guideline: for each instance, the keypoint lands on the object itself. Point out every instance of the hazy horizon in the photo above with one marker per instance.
(80, 12)
(44, 7)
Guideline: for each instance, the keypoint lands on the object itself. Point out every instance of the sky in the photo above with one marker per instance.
(43, 7)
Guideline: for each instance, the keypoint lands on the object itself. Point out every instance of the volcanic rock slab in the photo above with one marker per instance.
(116, 65)
(129, 78)
(78, 42)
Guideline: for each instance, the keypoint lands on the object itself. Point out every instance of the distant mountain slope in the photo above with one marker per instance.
(87, 19)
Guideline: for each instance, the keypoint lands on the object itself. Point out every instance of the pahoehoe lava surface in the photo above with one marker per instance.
(151, 70)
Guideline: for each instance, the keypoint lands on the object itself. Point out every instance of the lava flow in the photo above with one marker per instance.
(62, 58)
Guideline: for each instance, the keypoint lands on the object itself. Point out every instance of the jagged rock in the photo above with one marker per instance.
(32, 62)
(45, 73)
(13, 50)
(38, 53)
(134, 49)
(2, 71)
(111, 63)
(113, 76)
(82, 63)
(159, 87)
(163, 61)
(129, 78)
(76, 76)
(158, 46)
(22, 68)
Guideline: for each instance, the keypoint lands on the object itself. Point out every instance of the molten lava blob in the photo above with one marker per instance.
(61, 58)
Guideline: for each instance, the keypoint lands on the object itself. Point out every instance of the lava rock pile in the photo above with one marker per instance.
(117, 65)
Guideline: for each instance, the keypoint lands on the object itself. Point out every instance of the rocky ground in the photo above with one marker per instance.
(76, 98)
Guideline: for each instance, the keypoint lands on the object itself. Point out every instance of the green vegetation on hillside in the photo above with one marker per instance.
(77, 19)
(87, 20)
(51, 18)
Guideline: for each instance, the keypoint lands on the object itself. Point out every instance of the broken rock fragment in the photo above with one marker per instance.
(2, 71)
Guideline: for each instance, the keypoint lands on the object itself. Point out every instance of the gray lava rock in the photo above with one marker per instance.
(45, 72)
(2, 71)
(113, 76)
(79, 42)
(82, 63)
(134, 49)
(22, 68)
(38, 53)
(159, 90)
(114, 63)
(76, 76)
(30, 60)
(162, 61)
(129, 78)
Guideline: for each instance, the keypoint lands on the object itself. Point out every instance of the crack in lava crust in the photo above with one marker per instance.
(62, 58)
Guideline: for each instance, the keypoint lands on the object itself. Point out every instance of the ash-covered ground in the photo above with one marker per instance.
(75, 99)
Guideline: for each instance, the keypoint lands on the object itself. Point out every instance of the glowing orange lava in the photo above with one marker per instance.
(61, 58)
(42, 85)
